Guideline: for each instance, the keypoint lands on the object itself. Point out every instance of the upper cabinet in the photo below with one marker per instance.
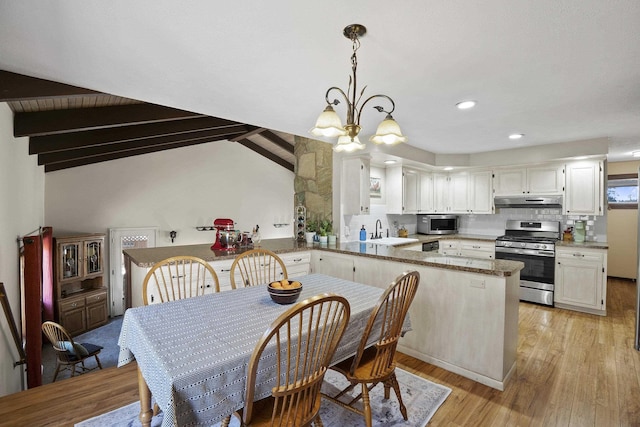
(403, 190)
(355, 184)
(480, 198)
(425, 195)
(538, 180)
(463, 192)
(585, 188)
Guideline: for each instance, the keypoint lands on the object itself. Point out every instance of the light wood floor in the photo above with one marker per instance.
(573, 369)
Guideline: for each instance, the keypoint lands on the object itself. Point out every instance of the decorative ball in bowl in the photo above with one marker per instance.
(285, 291)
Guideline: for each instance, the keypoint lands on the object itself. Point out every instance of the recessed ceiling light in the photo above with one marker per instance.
(516, 135)
(465, 105)
(635, 153)
(389, 162)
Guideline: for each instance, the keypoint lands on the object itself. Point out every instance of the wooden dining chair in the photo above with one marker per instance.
(375, 364)
(255, 267)
(177, 278)
(304, 339)
(69, 354)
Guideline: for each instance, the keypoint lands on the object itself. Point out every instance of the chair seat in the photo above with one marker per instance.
(92, 349)
(363, 372)
(263, 410)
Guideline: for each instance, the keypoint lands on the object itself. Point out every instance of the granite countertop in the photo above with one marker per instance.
(147, 257)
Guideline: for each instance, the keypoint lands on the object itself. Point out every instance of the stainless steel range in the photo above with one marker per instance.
(534, 244)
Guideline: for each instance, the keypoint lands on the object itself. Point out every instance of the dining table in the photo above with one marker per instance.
(192, 354)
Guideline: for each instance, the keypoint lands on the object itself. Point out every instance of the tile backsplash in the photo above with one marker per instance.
(489, 225)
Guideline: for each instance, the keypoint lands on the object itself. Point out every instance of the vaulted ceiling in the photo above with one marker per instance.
(557, 71)
(69, 126)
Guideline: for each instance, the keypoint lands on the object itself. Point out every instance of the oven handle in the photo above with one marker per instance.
(534, 252)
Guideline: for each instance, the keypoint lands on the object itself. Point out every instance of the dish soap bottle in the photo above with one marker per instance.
(363, 234)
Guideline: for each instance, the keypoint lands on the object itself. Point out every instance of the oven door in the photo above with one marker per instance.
(539, 267)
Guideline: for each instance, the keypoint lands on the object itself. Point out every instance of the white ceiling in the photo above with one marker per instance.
(556, 70)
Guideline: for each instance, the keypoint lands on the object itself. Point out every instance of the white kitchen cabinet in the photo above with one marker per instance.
(332, 264)
(355, 185)
(449, 247)
(223, 271)
(425, 202)
(458, 192)
(297, 263)
(584, 188)
(538, 180)
(477, 249)
(402, 190)
(468, 248)
(480, 194)
(463, 192)
(581, 279)
(440, 193)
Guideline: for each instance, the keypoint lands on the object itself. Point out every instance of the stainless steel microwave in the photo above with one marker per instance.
(437, 224)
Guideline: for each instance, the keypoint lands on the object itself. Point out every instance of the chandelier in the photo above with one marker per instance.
(329, 123)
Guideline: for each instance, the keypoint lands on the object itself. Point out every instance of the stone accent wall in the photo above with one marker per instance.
(314, 175)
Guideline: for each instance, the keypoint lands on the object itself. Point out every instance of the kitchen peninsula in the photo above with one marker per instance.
(464, 317)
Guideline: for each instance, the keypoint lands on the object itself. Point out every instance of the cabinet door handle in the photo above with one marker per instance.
(579, 255)
(297, 260)
(223, 270)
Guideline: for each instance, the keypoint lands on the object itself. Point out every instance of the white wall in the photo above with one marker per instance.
(21, 211)
(174, 190)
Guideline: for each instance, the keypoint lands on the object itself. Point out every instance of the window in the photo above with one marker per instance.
(622, 191)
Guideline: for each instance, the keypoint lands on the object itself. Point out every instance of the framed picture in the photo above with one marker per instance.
(622, 191)
(375, 187)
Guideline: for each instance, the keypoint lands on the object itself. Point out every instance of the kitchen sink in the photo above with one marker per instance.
(391, 241)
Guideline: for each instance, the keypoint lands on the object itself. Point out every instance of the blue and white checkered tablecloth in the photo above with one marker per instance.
(193, 353)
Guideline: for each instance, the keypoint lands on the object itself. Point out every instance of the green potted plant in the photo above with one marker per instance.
(326, 228)
(311, 230)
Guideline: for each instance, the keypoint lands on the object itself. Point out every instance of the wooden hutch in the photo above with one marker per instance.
(80, 288)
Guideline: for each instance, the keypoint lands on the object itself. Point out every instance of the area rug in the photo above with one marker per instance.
(421, 397)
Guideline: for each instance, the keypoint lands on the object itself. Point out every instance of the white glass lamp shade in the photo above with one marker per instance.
(348, 145)
(328, 124)
(388, 132)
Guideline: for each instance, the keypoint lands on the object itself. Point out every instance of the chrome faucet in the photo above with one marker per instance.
(378, 235)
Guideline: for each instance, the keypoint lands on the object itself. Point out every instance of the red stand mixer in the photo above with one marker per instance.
(226, 236)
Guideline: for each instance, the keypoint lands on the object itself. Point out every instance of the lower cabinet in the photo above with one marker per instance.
(81, 313)
(468, 248)
(333, 264)
(477, 249)
(297, 263)
(580, 278)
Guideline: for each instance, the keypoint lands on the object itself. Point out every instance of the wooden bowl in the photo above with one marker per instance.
(284, 295)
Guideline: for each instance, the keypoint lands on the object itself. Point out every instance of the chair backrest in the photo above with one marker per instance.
(304, 338)
(59, 338)
(255, 267)
(386, 322)
(177, 278)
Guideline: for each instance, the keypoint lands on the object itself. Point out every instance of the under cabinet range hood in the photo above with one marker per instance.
(528, 202)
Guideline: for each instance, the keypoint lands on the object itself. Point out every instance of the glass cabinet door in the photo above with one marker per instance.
(70, 261)
(93, 257)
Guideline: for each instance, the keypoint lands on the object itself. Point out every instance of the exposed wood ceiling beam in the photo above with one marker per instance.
(81, 119)
(45, 144)
(130, 146)
(277, 140)
(108, 127)
(16, 87)
(269, 155)
(253, 131)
